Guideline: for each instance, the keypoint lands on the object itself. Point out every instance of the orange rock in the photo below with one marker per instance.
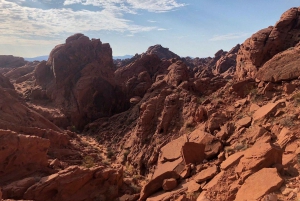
(77, 183)
(16, 150)
(193, 187)
(244, 122)
(260, 155)
(16, 190)
(193, 153)
(155, 184)
(232, 160)
(169, 184)
(206, 174)
(259, 184)
(268, 109)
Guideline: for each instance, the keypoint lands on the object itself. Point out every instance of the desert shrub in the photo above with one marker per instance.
(287, 121)
(110, 153)
(88, 161)
(135, 188)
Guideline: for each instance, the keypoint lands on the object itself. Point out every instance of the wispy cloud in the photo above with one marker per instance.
(151, 21)
(131, 5)
(229, 36)
(27, 24)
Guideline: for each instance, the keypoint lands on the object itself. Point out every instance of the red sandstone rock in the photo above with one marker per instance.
(156, 183)
(79, 78)
(206, 174)
(193, 153)
(178, 73)
(5, 83)
(77, 183)
(266, 43)
(21, 154)
(169, 184)
(161, 52)
(283, 66)
(268, 109)
(259, 184)
(261, 155)
(9, 61)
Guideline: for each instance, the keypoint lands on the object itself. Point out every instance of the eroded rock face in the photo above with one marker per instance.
(78, 184)
(161, 52)
(266, 43)
(283, 66)
(79, 78)
(5, 83)
(259, 184)
(21, 154)
(9, 61)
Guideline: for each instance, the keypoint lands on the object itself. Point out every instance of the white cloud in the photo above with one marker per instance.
(229, 36)
(26, 24)
(131, 5)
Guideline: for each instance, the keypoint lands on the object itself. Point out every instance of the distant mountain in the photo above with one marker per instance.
(123, 57)
(39, 58)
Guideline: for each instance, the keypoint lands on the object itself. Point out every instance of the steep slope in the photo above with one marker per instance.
(266, 43)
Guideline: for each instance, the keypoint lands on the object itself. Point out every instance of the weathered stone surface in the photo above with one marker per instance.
(227, 61)
(283, 66)
(193, 152)
(193, 187)
(232, 160)
(261, 155)
(212, 144)
(244, 122)
(78, 184)
(259, 184)
(5, 83)
(161, 52)
(178, 73)
(266, 43)
(155, 184)
(268, 109)
(79, 78)
(169, 184)
(206, 174)
(9, 61)
(215, 122)
(16, 190)
(16, 150)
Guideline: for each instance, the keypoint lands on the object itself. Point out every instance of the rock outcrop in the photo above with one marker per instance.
(268, 42)
(79, 78)
(161, 52)
(9, 61)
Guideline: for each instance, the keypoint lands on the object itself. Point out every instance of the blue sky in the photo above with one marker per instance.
(194, 28)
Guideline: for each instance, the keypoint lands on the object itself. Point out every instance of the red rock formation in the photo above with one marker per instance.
(161, 52)
(9, 61)
(78, 77)
(266, 43)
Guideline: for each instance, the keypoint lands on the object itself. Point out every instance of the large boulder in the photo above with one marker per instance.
(161, 52)
(266, 43)
(283, 66)
(9, 61)
(79, 78)
(155, 184)
(77, 184)
(21, 154)
(259, 184)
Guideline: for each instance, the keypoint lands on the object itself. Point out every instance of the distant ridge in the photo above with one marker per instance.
(123, 57)
(39, 58)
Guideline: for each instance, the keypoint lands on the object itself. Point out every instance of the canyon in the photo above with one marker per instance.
(82, 126)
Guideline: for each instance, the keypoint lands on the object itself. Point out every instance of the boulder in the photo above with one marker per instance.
(9, 61)
(212, 144)
(232, 160)
(79, 78)
(267, 110)
(178, 73)
(206, 174)
(161, 52)
(266, 43)
(156, 183)
(259, 184)
(193, 153)
(260, 155)
(78, 184)
(244, 122)
(15, 151)
(169, 184)
(283, 66)
(16, 190)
